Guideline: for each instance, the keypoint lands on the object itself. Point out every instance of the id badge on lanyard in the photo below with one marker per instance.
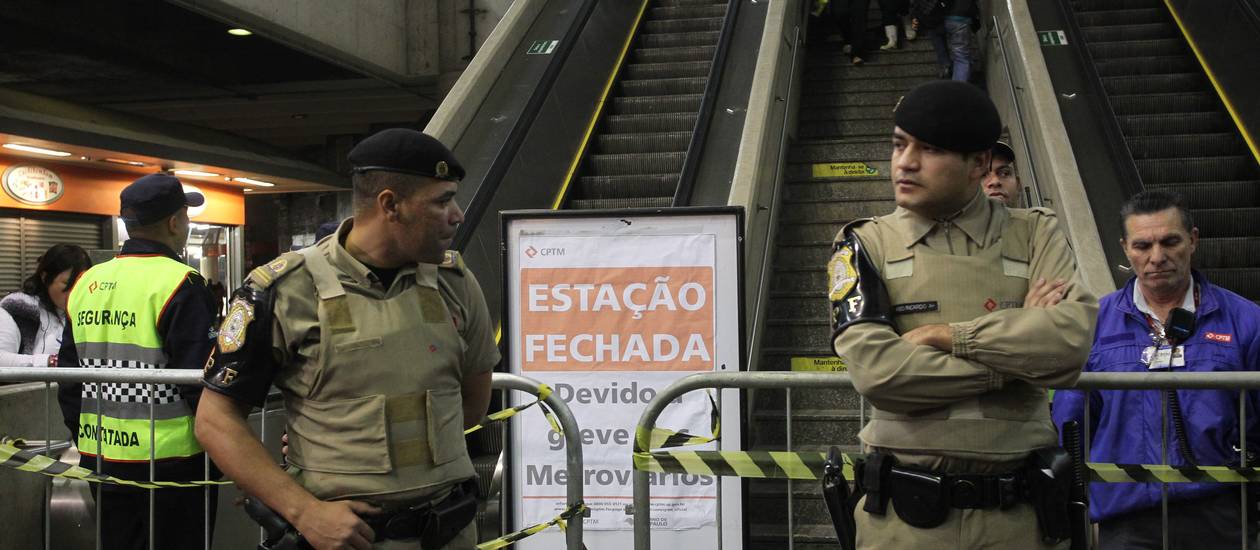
(1163, 356)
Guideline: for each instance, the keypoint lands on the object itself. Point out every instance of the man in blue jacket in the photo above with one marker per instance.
(1125, 425)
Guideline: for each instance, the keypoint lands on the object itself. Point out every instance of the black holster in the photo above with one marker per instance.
(1049, 474)
(280, 535)
(840, 503)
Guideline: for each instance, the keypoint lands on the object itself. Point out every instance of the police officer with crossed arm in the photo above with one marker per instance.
(954, 314)
(381, 342)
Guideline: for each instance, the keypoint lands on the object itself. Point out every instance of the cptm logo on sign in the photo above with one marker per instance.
(531, 252)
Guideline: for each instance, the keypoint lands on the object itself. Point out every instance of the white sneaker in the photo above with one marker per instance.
(890, 31)
(847, 49)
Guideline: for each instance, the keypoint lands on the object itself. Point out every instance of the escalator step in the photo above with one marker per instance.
(674, 55)
(1215, 194)
(688, 12)
(643, 202)
(803, 172)
(663, 26)
(841, 151)
(1242, 281)
(833, 56)
(1154, 171)
(1187, 123)
(663, 86)
(821, 210)
(1155, 84)
(683, 69)
(899, 85)
(867, 189)
(675, 40)
(653, 142)
(683, 3)
(612, 187)
(1138, 48)
(1158, 65)
(1117, 33)
(1122, 17)
(644, 105)
(1227, 252)
(1150, 104)
(925, 71)
(1091, 5)
(841, 128)
(832, 99)
(852, 113)
(1228, 222)
(631, 164)
(625, 124)
(1185, 145)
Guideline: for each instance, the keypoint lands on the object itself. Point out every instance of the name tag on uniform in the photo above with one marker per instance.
(1163, 357)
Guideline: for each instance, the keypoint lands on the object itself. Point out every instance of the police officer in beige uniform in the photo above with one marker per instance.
(953, 314)
(381, 342)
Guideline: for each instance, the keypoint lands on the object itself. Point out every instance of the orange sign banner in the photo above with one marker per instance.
(617, 319)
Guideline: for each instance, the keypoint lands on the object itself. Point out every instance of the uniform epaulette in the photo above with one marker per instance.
(1043, 211)
(856, 223)
(266, 275)
(453, 261)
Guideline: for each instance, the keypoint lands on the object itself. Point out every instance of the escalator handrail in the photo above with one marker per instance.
(481, 200)
(699, 134)
(1121, 155)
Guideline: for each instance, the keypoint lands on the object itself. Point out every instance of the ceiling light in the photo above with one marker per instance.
(252, 181)
(247, 190)
(39, 150)
(122, 161)
(239, 32)
(195, 173)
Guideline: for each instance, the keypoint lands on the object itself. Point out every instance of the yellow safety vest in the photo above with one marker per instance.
(114, 310)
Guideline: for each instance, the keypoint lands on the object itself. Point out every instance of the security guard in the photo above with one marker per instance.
(142, 309)
(382, 345)
(953, 313)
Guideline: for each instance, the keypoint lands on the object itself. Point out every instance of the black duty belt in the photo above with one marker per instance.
(967, 491)
(431, 521)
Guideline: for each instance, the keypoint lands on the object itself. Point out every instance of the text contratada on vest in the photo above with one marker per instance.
(116, 438)
(119, 318)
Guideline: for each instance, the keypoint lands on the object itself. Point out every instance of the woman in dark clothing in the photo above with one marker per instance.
(32, 319)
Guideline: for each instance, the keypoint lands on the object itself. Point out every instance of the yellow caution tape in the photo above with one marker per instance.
(789, 465)
(560, 520)
(27, 461)
(818, 364)
(844, 170)
(661, 438)
(543, 392)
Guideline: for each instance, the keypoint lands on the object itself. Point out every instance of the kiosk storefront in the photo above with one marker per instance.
(45, 203)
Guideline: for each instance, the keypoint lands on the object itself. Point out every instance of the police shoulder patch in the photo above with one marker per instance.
(264, 276)
(452, 260)
(841, 272)
(232, 334)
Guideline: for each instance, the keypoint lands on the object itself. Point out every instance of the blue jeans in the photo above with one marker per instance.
(959, 36)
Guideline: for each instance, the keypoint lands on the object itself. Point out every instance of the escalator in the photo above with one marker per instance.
(637, 155)
(837, 171)
(1178, 133)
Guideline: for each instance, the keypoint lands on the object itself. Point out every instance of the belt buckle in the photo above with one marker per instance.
(966, 493)
(1009, 490)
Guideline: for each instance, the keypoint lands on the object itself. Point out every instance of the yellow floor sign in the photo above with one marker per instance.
(845, 170)
(818, 364)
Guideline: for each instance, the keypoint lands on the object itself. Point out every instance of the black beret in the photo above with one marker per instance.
(154, 197)
(952, 115)
(406, 151)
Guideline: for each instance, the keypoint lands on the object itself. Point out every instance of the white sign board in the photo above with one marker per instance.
(608, 310)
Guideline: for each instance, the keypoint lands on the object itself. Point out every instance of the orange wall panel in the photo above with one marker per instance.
(89, 191)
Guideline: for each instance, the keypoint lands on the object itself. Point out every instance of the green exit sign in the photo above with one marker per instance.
(542, 47)
(1052, 38)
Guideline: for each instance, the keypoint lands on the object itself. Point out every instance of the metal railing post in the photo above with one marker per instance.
(572, 446)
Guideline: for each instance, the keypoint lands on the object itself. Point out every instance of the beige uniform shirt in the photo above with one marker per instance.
(295, 331)
(1039, 346)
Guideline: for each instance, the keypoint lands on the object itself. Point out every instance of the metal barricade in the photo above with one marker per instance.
(1239, 381)
(151, 378)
